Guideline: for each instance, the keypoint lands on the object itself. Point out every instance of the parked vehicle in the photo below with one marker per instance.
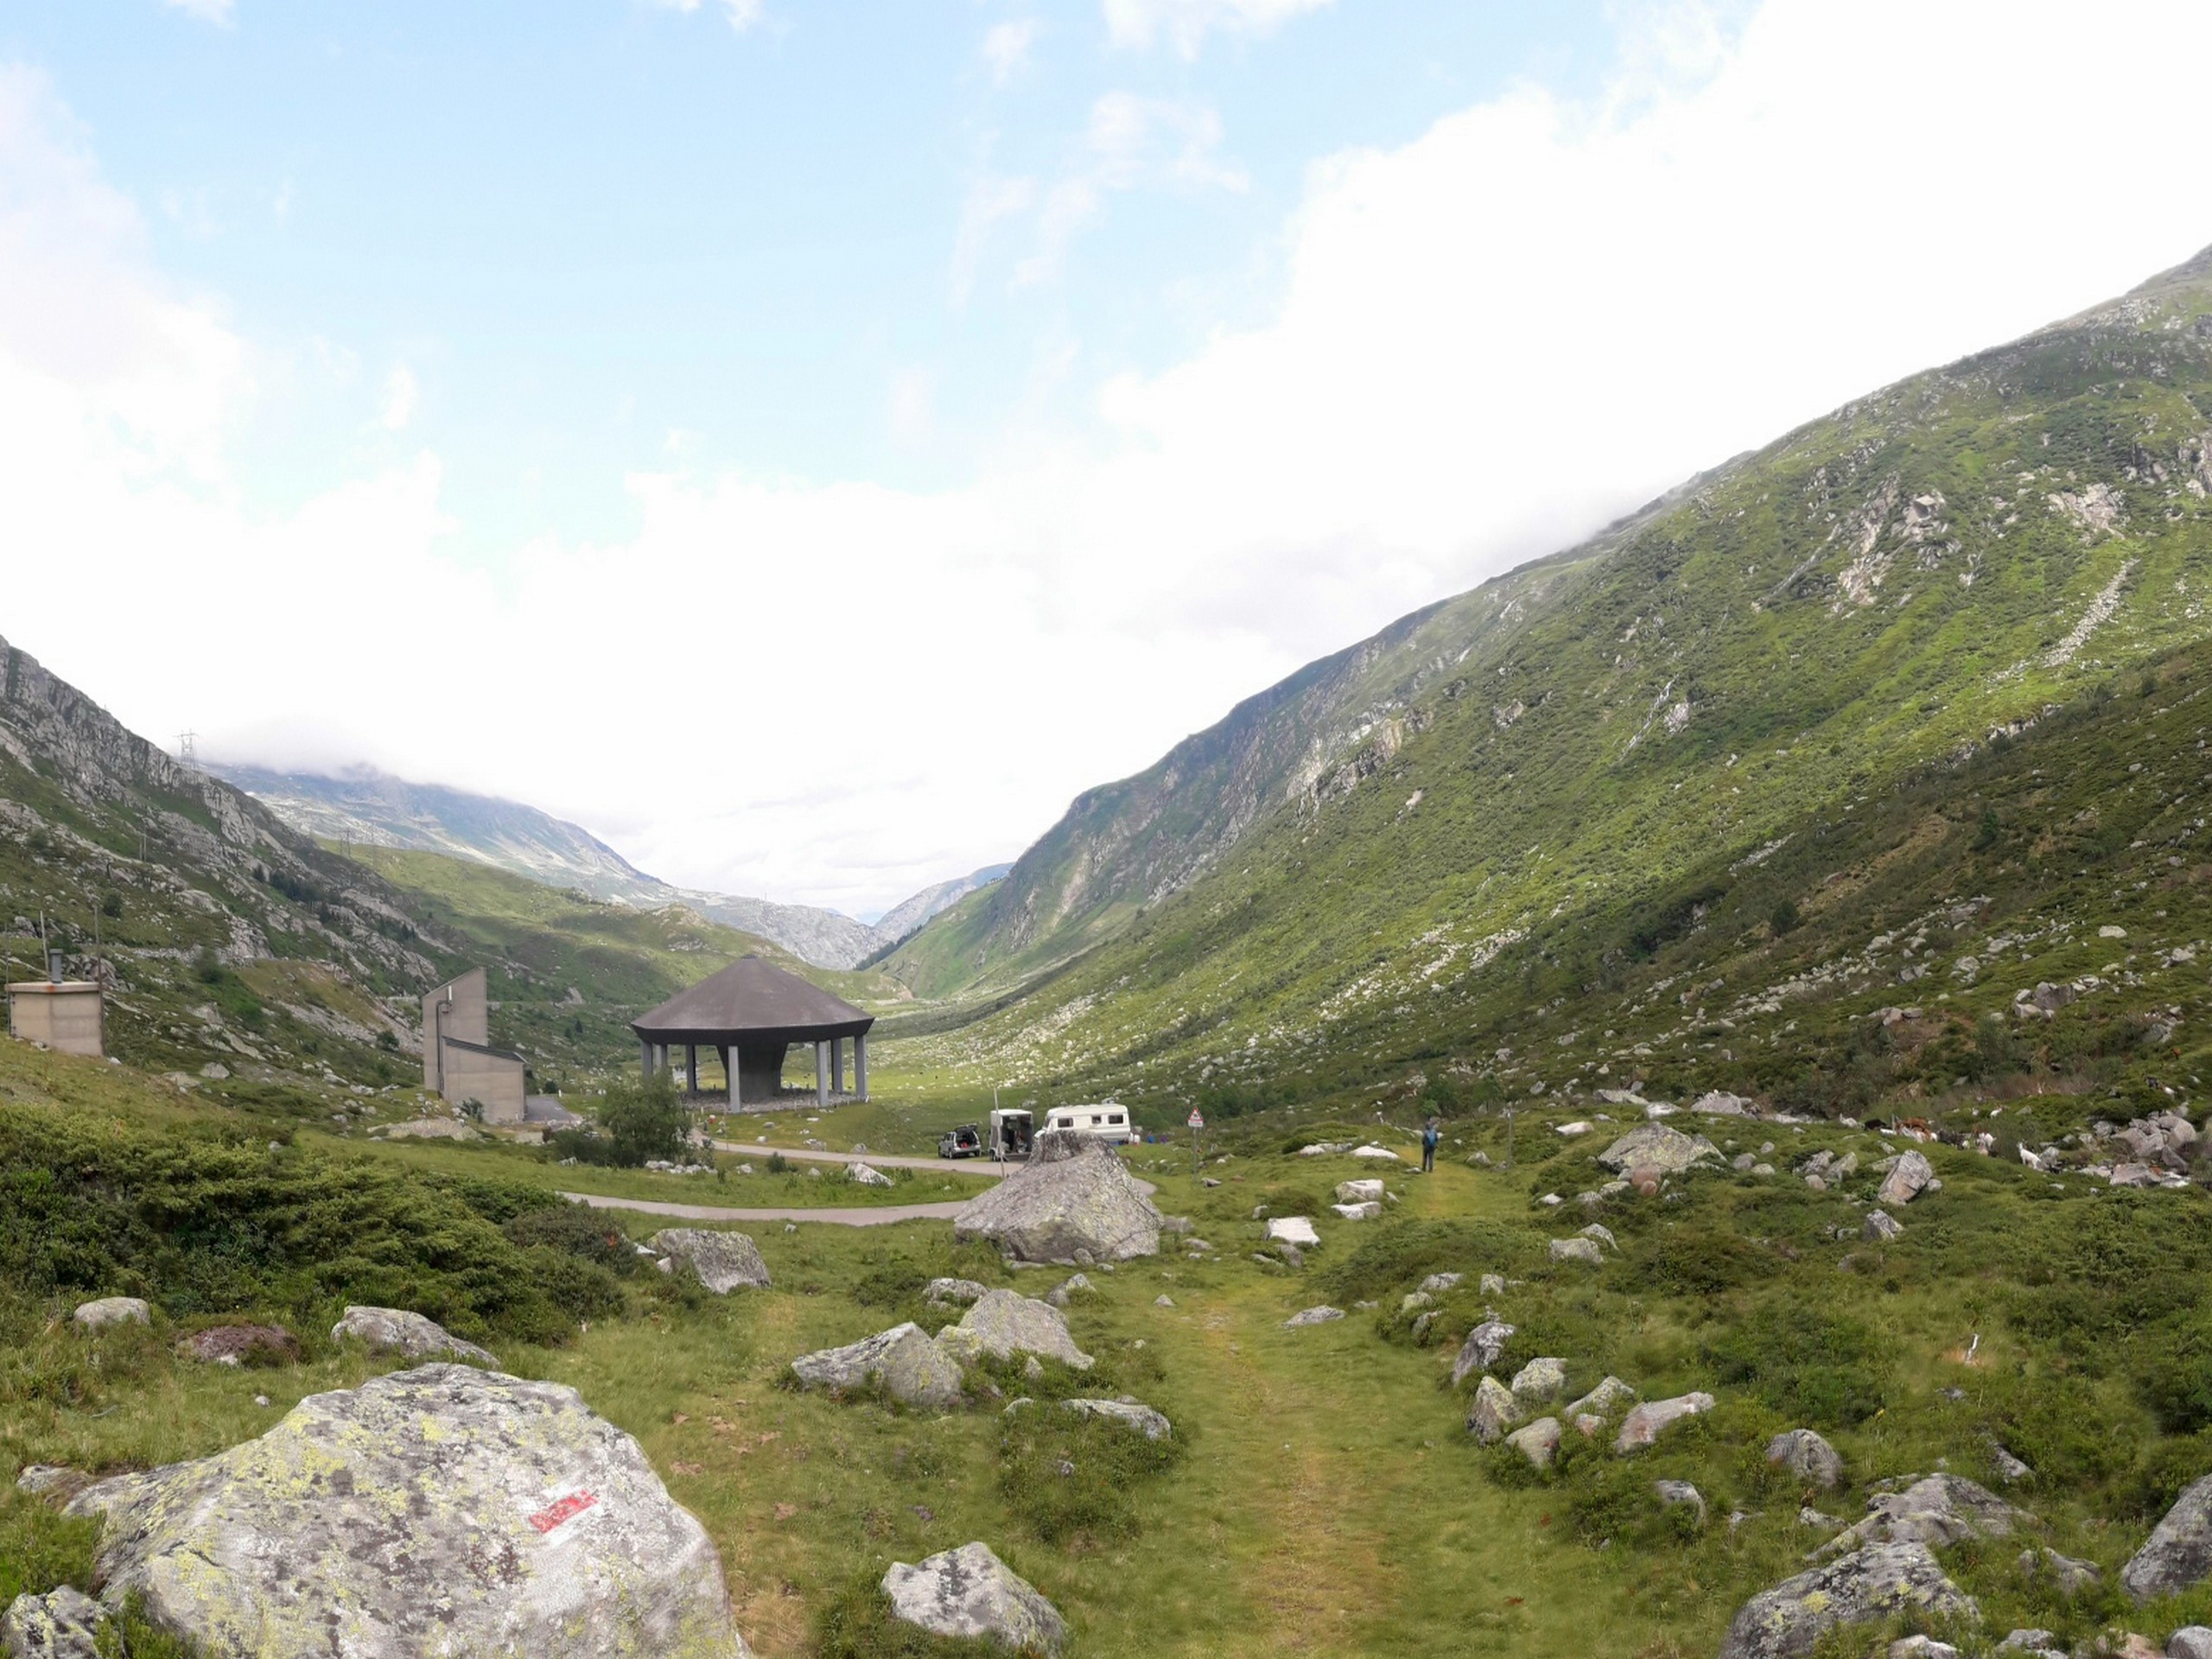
(1109, 1120)
(966, 1141)
(1012, 1133)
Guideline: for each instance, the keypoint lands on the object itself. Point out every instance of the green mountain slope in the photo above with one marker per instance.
(1546, 777)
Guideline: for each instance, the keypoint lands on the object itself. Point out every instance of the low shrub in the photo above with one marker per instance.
(1075, 1479)
(1818, 1368)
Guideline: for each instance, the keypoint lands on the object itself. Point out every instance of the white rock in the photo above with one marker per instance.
(1360, 1191)
(1368, 1211)
(1379, 1153)
(395, 1331)
(866, 1175)
(1128, 1413)
(1646, 1421)
(111, 1310)
(1320, 1315)
(1540, 1379)
(1293, 1229)
(968, 1591)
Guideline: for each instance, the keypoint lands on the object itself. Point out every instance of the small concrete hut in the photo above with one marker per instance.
(750, 1013)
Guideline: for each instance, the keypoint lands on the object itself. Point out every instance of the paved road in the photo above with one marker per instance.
(877, 1160)
(874, 1214)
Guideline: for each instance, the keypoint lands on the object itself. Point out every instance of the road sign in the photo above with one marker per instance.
(1198, 1118)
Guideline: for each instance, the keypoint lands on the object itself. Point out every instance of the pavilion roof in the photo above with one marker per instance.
(752, 998)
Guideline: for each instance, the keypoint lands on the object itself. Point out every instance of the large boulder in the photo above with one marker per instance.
(1785, 1621)
(1130, 1414)
(395, 1330)
(1907, 1179)
(438, 1511)
(968, 1591)
(1481, 1351)
(1538, 1442)
(1071, 1201)
(63, 1624)
(111, 1310)
(1807, 1456)
(1540, 1379)
(1492, 1411)
(2178, 1552)
(1004, 1322)
(1649, 1421)
(724, 1261)
(911, 1368)
(1654, 1146)
(1938, 1511)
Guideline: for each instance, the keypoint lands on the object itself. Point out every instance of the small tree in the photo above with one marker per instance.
(644, 1120)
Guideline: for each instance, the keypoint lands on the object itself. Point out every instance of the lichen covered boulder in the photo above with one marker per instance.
(395, 1331)
(111, 1310)
(1071, 1201)
(437, 1510)
(2177, 1555)
(968, 1591)
(912, 1369)
(1129, 1413)
(1655, 1147)
(1004, 1322)
(724, 1261)
(1787, 1621)
(63, 1624)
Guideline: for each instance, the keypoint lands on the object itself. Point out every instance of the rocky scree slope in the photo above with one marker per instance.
(1542, 777)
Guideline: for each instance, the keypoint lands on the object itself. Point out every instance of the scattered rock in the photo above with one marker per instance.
(956, 1290)
(234, 1345)
(1004, 1322)
(1609, 1396)
(1493, 1412)
(1646, 1421)
(1296, 1230)
(911, 1368)
(1719, 1103)
(1163, 1300)
(2190, 1642)
(2070, 1576)
(1577, 1250)
(1809, 1516)
(55, 1481)
(1537, 1442)
(1907, 1178)
(1921, 1647)
(395, 1331)
(2178, 1553)
(1880, 1227)
(1673, 1492)
(1060, 1294)
(1939, 1511)
(438, 1510)
(1493, 1284)
(1598, 1235)
(1807, 1456)
(1380, 1154)
(1073, 1194)
(1437, 1283)
(1655, 1147)
(1142, 1418)
(111, 1310)
(724, 1261)
(1785, 1621)
(968, 1591)
(1360, 1192)
(1320, 1315)
(63, 1624)
(1484, 1344)
(866, 1175)
(2033, 1642)
(2010, 1469)
(1540, 1379)
(1368, 1211)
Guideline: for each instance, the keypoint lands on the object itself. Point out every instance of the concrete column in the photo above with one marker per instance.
(860, 1065)
(821, 1074)
(690, 1068)
(645, 1058)
(836, 1065)
(729, 1070)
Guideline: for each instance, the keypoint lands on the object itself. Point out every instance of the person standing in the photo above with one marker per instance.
(1429, 1137)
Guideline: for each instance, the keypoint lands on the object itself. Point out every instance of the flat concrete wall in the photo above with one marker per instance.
(459, 1008)
(71, 1016)
(496, 1080)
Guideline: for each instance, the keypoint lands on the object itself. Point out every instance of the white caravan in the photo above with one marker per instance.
(1108, 1121)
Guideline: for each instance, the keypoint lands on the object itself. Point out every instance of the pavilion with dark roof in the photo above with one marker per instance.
(750, 1013)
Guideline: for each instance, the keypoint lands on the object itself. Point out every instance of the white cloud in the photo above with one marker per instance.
(1187, 22)
(1130, 141)
(401, 394)
(991, 201)
(743, 14)
(1006, 47)
(207, 11)
(1489, 341)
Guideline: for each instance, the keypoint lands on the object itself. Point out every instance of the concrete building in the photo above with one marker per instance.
(750, 1015)
(69, 1016)
(459, 1063)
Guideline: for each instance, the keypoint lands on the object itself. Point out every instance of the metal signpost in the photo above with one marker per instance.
(1197, 1122)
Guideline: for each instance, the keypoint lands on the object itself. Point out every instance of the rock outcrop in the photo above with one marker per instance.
(909, 1364)
(968, 1591)
(440, 1510)
(395, 1331)
(1807, 1456)
(1785, 1621)
(1482, 1349)
(1940, 1511)
(2178, 1552)
(1004, 1322)
(724, 1261)
(1130, 1414)
(63, 1624)
(1649, 1421)
(1071, 1203)
(1654, 1146)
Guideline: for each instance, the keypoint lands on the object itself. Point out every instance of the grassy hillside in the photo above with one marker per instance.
(1597, 807)
(570, 971)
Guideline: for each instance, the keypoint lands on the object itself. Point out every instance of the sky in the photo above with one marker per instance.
(806, 443)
